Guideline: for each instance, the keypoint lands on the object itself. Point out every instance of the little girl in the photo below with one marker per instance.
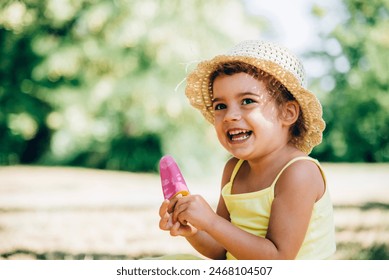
(274, 202)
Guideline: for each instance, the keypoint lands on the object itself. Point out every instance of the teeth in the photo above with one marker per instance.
(236, 132)
(239, 134)
(243, 137)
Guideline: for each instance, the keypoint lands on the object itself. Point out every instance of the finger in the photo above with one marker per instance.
(165, 222)
(182, 220)
(173, 203)
(180, 208)
(174, 231)
(164, 207)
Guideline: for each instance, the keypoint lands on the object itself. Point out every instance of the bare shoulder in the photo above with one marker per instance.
(304, 177)
(228, 169)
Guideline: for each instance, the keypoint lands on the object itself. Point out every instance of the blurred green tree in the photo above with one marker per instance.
(92, 82)
(24, 134)
(357, 108)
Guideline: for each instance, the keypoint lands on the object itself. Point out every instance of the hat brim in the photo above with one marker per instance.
(199, 92)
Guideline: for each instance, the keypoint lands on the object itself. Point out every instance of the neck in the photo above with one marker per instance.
(275, 159)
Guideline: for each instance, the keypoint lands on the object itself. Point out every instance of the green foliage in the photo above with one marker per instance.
(131, 153)
(92, 82)
(376, 252)
(22, 114)
(82, 79)
(356, 109)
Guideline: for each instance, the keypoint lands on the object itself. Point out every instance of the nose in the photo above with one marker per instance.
(232, 114)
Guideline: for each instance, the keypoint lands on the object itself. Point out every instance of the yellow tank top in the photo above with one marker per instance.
(251, 212)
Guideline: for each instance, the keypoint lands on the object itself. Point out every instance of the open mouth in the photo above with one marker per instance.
(239, 134)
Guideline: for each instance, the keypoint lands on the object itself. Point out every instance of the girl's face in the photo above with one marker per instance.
(246, 117)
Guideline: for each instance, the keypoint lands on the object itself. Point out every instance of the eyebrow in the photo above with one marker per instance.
(242, 94)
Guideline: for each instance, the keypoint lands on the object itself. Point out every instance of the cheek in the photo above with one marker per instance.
(218, 129)
(262, 120)
(219, 120)
(268, 115)
(220, 133)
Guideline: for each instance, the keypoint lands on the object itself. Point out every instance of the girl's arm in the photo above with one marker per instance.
(298, 188)
(200, 240)
(206, 245)
(212, 248)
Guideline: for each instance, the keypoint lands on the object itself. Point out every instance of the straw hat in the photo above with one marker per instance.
(274, 60)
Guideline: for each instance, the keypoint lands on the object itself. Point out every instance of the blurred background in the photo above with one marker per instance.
(92, 95)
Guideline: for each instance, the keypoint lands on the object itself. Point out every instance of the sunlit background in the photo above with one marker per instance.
(99, 85)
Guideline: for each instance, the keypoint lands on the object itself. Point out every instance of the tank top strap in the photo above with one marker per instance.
(297, 159)
(240, 162)
(236, 169)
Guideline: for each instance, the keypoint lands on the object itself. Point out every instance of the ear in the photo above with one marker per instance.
(290, 112)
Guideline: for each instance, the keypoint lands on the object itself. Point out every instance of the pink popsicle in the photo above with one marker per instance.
(172, 181)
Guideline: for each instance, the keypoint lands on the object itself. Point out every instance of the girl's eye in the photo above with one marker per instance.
(247, 101)
(220, 106)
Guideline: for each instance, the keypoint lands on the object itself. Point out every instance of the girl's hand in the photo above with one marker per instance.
(193, 210)
(166, 221)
